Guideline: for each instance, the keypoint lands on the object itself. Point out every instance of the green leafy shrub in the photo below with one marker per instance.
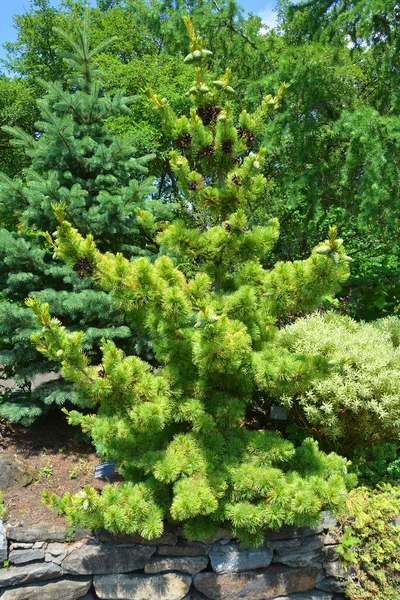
(371, 543)
(378, 463)
(358, 403)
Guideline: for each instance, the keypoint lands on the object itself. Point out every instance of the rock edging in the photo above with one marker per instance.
(293, 564)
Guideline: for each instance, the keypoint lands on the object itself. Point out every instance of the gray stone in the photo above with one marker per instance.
(168, 538)
(256, 586)
(170, 586)
(335, 569)
(330, 584)
(232, 558)
(200, 550)
(397, 521)
(307, 554)
(188, 564)
(62, 589)
(330, 539)
(20, 557)
(98, 559)
(21, 546)
(39, 533)
(28, 573)
(294, 543)
(313, 595)
(56, 552)
(330, 554)
(3, 542)
(39, 545)
(288, 532)
(14, 473)
(328, 520)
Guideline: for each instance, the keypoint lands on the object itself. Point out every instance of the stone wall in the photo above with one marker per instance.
(53, 563)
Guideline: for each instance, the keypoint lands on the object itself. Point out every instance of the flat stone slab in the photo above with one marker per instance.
(330, 584)
(287, 532)
(62, 589)
(102, 559)
(189, 564)
(168, 538)
(200, 550)
(38, 533)
(256, 586)
(28, 573)
(14, 473)
(226, 558)
(306, 554)
(170, 586)
(20, 557)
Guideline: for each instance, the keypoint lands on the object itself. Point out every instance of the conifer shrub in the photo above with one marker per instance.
(176, 427)
(357, 403)
(100, 182)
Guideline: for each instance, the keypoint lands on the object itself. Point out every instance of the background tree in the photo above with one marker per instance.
(95, 179)
(209, 307)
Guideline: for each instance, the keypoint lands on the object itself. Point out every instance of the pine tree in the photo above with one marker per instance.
(97, 181)
(177, 428)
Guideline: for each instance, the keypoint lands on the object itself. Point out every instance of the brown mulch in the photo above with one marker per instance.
(62, 462)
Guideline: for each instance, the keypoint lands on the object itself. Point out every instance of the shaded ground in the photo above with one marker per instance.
(63, 461)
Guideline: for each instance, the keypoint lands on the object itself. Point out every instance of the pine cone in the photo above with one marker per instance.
(227, 225)
(227, 147)
(237, 179)
(83, 267)
(208, 113)
(243, 132)
(206, 151)
(102, 373)
(183, 141)
(237, 159)
(193, 185)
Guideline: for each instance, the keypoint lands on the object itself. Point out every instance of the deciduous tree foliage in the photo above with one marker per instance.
(177, 428)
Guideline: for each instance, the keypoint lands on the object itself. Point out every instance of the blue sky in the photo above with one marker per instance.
(8, 8)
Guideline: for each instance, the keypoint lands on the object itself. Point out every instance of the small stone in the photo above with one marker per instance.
(397, 521)
(14, 473)
(232, 558)
(329, 539)
(330, 584)
(200, 550)
(20, 557)
(328, 520)
(21, 545)
(98, 559)
(39, 545)
(313, 595)
(256, 586)
(335, 569)
(168, 538)
(189, 564)
(56, 548)
(330, 554)
(28, 573)
(39, 533)
(3, 542)
(62, 589)
(170, 586)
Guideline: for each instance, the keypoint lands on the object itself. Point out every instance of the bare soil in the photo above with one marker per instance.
(61, 460)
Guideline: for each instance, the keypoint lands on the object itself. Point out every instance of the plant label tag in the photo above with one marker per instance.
(278, 413)
(104, 469)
